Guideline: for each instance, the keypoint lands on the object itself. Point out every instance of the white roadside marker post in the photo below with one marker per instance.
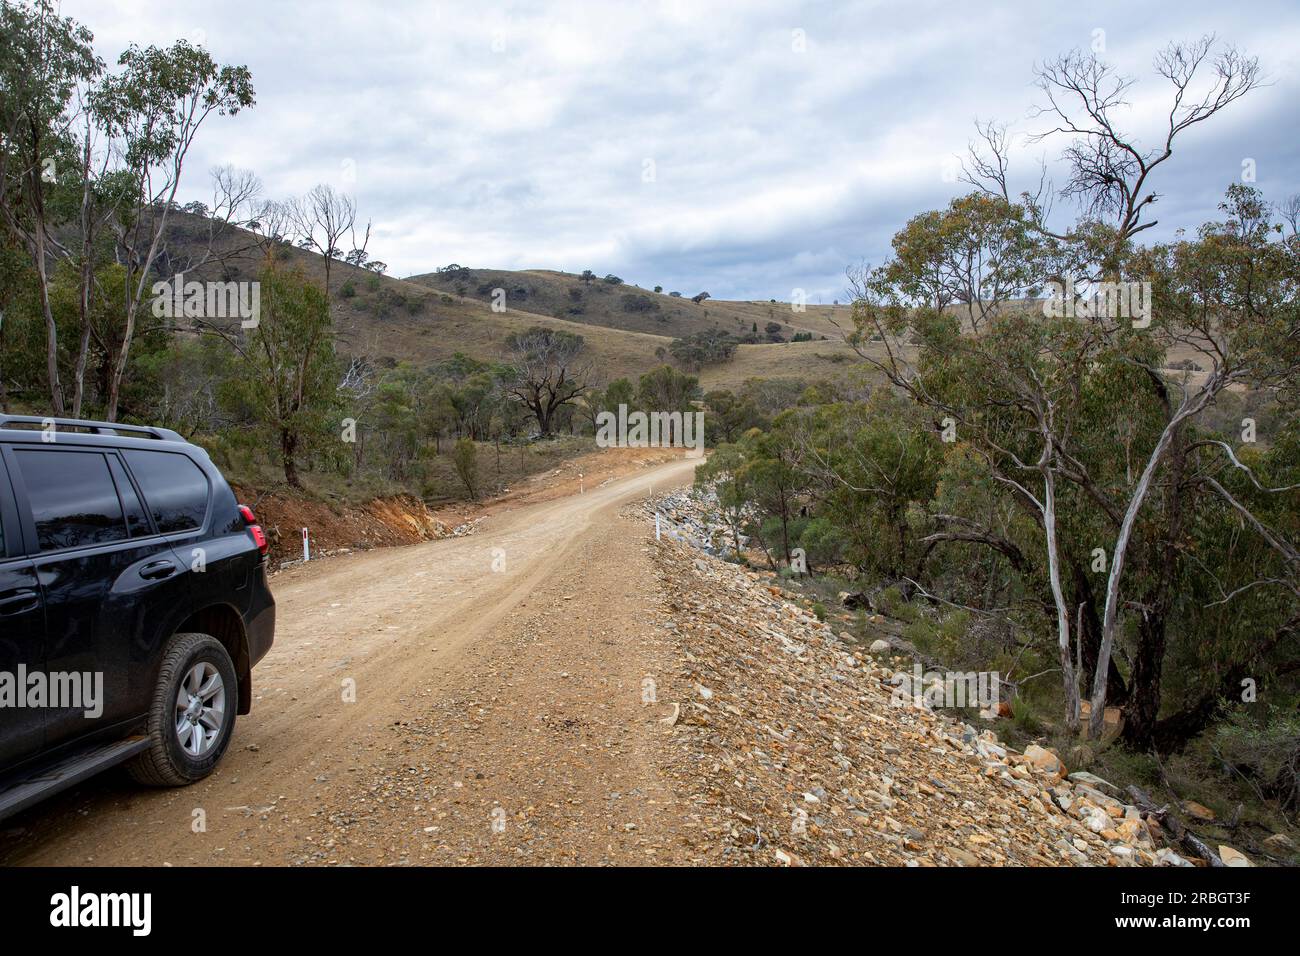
(306, 546)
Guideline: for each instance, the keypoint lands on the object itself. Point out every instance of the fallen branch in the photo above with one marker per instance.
(1174, 824)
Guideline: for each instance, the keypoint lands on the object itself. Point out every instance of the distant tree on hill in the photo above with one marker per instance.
(631, 302)
(697, 299)
(322, 218)
(588, 276)
(710, 347)
(665, 389)
(659, 288)
(613, 279)
(546, 371)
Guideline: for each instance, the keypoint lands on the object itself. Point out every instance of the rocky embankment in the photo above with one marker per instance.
(795, 750)
(693, 516)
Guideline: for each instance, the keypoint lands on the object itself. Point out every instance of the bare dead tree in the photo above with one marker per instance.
(1109, 173)
(272, 224)
(321, 219)
(235, 207)
(1289, 210)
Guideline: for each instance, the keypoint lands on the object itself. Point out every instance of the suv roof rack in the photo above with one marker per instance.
(95, 428)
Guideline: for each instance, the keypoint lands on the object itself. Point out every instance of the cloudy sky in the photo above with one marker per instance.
(746, 149)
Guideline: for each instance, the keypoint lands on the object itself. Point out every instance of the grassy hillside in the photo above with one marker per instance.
(565, 295)
(428, 318)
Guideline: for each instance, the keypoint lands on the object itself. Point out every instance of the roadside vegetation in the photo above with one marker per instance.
(1099, 505)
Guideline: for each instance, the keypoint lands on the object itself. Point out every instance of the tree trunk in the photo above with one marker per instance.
(1089, 636)
(785, 529)
(79, 379)
(1148, 663)
(543, 415)
(134, 298)
(1172, 431)
(4, 392)
(288, 452)
(1062, 615)
(51, 330)
(87, 279)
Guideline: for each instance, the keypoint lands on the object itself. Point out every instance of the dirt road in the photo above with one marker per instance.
(472, 700)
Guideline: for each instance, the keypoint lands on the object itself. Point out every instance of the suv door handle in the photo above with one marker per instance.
(158, 569)
(15, 602)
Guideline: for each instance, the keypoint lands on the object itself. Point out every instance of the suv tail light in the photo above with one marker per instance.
(255, 529)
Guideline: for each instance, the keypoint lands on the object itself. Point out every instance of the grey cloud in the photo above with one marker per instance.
(774, 169)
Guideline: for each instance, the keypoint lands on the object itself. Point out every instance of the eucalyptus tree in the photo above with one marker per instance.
(45, 59)
(548, 369)
(151, 109)
(292, 388)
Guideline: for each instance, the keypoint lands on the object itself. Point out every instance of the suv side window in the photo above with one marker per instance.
(73, 499)
(136, 522)
(175, 489)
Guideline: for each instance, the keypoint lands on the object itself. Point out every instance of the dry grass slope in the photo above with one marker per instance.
(429, 318)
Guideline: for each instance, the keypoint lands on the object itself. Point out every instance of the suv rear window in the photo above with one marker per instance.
(175, 489)
(73, 499)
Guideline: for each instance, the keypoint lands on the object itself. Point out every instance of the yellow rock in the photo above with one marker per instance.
(1043, 759)
(1231, 857)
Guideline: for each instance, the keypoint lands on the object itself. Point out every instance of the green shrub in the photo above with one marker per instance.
(1266, 751)
(465, 459)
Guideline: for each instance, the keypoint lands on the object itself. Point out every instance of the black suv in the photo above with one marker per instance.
(133, 606)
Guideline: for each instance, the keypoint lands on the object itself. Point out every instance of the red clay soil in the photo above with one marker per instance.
(339, 526)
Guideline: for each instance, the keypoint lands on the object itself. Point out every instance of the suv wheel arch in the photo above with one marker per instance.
(224, 623)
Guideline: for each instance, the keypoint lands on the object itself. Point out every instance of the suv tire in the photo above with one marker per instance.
(192, 716)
